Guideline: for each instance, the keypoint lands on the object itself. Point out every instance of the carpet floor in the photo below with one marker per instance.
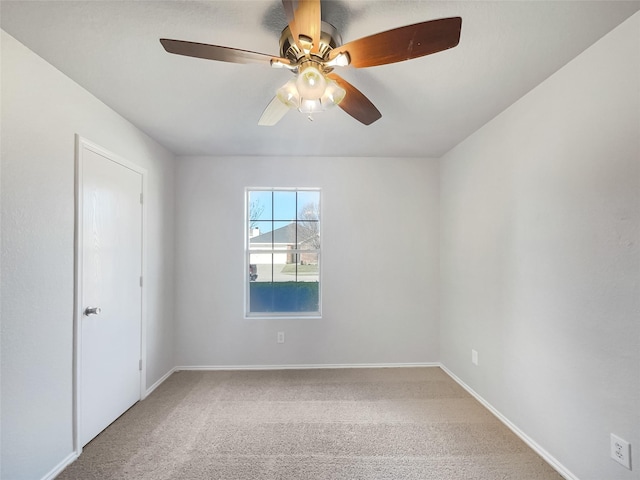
(339, 424)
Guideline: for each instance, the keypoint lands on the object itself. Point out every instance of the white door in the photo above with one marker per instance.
(111, 250)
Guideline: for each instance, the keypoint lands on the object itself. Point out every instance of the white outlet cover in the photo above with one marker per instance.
(621, 451)
(474, 357)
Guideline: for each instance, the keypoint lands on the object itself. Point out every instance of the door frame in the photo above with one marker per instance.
(82, 143)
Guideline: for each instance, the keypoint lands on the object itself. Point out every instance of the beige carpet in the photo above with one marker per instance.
(391, 424)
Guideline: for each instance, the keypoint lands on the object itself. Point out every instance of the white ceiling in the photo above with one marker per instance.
(195, 106)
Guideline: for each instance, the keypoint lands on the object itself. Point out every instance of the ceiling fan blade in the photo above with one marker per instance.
(289, 8)
(355, 103)
(273, 113)
(404, 43)
(215, 52)
(304, 22)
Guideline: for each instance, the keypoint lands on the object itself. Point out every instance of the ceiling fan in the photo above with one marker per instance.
(311, 49)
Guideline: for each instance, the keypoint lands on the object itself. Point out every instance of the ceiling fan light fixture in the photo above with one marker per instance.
(310, 106)
(333, 94)
(288, 94)
(311, 83)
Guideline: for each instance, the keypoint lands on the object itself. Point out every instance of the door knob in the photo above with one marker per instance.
(92, 311)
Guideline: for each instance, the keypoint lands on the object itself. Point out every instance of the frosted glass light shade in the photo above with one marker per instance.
(311, 83)
(333, 94)
(288, 94)
(310, 106)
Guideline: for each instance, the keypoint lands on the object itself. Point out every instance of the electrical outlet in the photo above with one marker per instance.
(621, 451)
(474, 357)
(280, 337)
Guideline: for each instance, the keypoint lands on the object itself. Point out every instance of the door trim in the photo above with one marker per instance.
(82, 143)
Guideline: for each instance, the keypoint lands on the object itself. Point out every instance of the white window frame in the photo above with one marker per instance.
(247, 252)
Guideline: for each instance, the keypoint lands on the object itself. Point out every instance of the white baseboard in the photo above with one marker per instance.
(305, 366)
(158, 383)
(550, 459)
(61, 466)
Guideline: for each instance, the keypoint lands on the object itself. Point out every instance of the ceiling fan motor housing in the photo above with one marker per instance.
(329, 39)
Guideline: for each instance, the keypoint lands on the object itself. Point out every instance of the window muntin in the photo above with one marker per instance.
(282, 252)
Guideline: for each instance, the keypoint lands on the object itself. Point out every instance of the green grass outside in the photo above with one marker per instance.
(302, 269)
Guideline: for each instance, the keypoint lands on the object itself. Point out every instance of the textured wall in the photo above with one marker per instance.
(540, 264)
(41, 111)
(380, 250)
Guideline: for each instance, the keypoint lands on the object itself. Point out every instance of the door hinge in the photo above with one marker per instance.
(140, 281)
(140, 365)
(141, 198)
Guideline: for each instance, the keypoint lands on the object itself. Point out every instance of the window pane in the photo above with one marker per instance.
(308, 235)
(305, 269)
(259, 205)
(308, 205)
(260, 267)
(260, 235)
(308, 268)
(284, 236)
(284, 205)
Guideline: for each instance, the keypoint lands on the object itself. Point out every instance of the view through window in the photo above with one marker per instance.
(283, 252)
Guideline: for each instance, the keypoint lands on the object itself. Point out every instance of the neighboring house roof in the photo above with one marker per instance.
(282, 235)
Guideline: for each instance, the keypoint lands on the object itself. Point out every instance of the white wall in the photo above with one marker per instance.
(380, 262)
(41, 111)
(540, 267)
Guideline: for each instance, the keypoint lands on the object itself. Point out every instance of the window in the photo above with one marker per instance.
(282, 252)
